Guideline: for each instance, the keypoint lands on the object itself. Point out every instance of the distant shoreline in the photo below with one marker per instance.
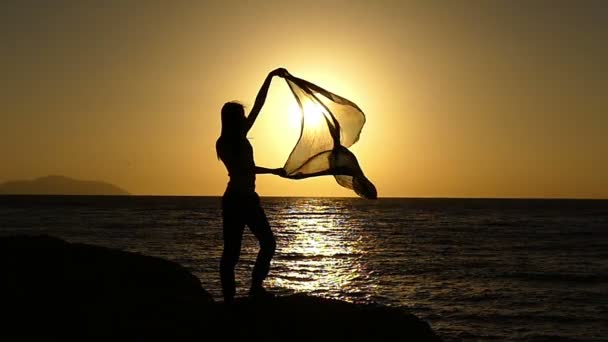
(60, 185)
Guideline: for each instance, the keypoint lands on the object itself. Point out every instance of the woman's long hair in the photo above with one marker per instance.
(233, 125)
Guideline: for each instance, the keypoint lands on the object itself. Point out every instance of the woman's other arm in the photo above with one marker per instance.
(262, 170)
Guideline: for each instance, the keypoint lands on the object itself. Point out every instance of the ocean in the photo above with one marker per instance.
(474, 269)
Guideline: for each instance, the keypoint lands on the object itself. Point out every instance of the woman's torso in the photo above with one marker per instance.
(237, 155)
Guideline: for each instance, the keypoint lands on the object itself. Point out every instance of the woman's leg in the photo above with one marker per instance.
(233, 227)
(258, 223)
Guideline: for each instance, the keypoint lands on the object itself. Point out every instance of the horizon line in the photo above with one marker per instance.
(330, 197)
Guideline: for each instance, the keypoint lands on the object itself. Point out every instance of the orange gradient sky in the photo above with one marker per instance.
(463, 98)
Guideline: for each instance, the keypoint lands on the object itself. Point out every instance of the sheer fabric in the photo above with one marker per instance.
(330, 124)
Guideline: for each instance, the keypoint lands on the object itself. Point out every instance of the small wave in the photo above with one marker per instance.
(307, 214)
(469, 336)
(551, 338)
(561, 277)
(529, 317)
(482, 297)
(297, 256)
(295, 278)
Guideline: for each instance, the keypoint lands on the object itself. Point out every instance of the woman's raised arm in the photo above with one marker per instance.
(261, 97)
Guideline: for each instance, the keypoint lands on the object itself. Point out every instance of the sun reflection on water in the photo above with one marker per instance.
(319, 251)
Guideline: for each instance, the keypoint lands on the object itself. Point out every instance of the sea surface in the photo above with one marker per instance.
(475, 269)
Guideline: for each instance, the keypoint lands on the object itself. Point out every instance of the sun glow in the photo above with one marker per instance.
(313, 113)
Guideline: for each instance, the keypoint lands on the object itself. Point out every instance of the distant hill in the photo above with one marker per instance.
(59, 185)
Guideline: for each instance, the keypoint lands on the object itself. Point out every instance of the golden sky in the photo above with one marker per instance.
(463, 98)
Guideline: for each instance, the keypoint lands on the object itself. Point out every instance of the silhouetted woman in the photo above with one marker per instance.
(240, 203)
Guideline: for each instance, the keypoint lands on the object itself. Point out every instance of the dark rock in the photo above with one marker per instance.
(52, 288)
(302, 316)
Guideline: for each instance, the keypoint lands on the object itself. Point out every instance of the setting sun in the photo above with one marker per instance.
(313, 114)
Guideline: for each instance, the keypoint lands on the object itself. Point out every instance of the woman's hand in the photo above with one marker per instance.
(280, 172)
(298, 175)
(281, 72)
